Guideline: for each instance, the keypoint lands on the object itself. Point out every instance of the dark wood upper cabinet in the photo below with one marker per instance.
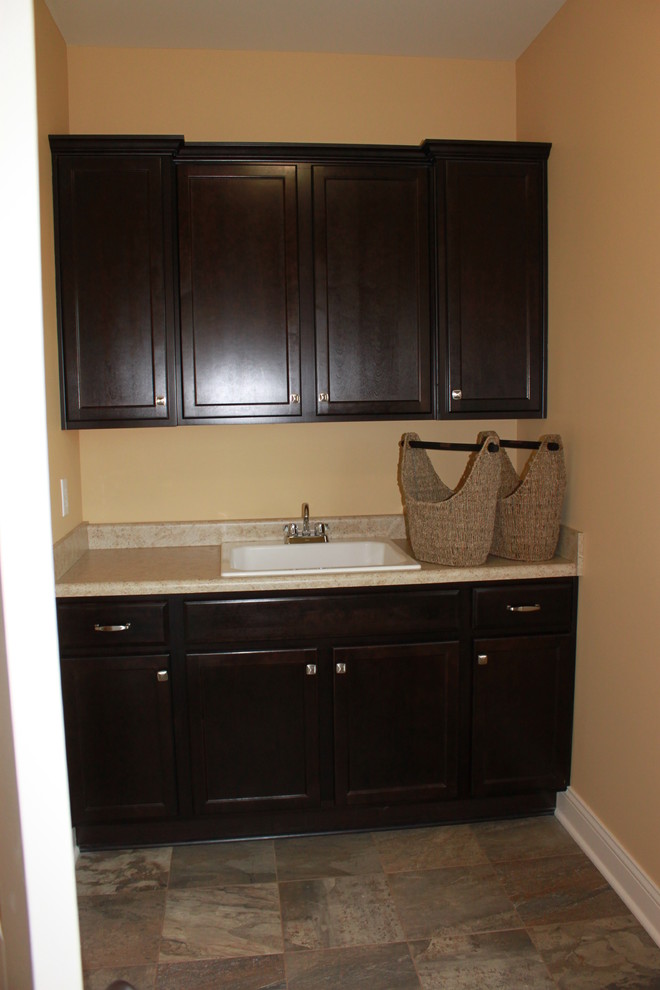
(223, 283)
(240, 322)
(371, 258)
(115, 283)
(492, 283)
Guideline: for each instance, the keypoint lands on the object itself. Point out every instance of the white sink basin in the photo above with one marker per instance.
(260, 559)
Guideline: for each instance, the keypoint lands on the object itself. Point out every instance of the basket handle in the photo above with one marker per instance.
(493, 446)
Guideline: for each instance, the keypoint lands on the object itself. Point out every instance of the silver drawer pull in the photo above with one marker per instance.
(310, 669)
(523, 608)
(124, 627)
(457, 393)
(340, 668)
(162, 676)
(482, 659)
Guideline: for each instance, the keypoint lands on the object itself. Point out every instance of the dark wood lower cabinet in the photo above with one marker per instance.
(396, 723)
(120, 738)
(522, 714)
(291, 712)
(254, 730)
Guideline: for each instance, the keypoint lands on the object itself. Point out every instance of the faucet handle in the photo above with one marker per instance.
(290, 529)
(321, 529)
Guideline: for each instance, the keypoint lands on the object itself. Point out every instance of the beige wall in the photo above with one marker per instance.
(53, 118)
(251, 471)
(262, 96)
(590, 83)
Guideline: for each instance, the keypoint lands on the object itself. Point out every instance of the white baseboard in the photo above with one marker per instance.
(635, 889)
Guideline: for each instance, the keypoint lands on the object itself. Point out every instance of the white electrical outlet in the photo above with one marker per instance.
(64, 490)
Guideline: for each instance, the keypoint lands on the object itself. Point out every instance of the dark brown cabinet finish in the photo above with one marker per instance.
(373, 612)
(516, 608)
(523, 671)
(492, 237)
(283, 283)
(305, 291)
(236, 715)
(522, 714)
(396, 723)
(116, 666)
(240, 321)
(371, 258)
(115, 286)
(114, 624)
(119, 735)
(254, 730)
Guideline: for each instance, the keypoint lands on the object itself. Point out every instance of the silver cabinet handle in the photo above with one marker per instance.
(123, 627)
(457, 393)
(324, 397)
(162, 675)
(482, 659)
(294, 398)
(340, 668)
(523, 608)
(161, 400)
(310, 669)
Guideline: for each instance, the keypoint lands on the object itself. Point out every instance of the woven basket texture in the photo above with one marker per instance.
(445, 525)
(528, 514)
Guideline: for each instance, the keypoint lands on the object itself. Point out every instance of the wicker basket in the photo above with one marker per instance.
(529, 507)
(450, 526)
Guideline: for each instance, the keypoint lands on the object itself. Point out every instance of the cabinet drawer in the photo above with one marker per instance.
(111, 624)
(325, 617)
(523, 607)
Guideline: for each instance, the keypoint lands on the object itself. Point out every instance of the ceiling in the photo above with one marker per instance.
(465, 29)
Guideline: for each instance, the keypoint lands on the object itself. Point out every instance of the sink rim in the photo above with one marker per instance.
(399, 559)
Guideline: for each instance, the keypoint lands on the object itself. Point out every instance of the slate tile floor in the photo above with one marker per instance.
(493, 906)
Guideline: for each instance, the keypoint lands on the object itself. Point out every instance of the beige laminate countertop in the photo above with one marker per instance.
(184, 558)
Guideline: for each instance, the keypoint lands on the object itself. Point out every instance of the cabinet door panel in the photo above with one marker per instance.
(495, 285)
(372, 290)
(115, 283)
(119, 734)
(240, 333)
(396, 723)
(522, 714)
(254, 730)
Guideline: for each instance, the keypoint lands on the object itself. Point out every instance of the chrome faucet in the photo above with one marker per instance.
(305, 534)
